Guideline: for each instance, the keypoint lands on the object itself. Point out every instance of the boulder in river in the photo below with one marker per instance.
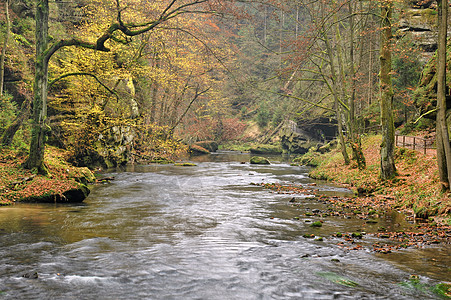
(74, 195)
(211, 146)
(31, 275)
(258, 160)
(198, 150)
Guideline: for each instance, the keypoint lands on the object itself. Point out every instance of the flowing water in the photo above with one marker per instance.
(204, 232)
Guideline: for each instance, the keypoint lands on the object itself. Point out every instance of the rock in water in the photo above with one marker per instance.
(211, 146)
(258, 160)
(31, 275)
(198, 150)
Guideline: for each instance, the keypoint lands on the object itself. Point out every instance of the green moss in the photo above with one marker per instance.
(443, 289)
(245, 147)
(258, 160)
(185, 164)
(266, 149)
(425, 94)
(308, 235)
(338, 279)
(357, 235)
(22, 40)
(317, 224)
(311, 158)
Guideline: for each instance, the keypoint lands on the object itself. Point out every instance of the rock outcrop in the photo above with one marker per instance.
(298, 138)
(266, 149)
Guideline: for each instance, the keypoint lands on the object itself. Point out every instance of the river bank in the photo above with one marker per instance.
(66, 183)
(415, 190)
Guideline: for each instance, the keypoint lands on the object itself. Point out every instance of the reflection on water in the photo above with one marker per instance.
(204, 232)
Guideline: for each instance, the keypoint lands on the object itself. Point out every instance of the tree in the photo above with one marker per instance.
(118, 30)
(331, 49)
(388, 169)
(443, 145)
(5, 44)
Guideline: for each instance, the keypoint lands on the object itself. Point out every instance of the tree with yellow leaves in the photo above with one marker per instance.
(120, 29)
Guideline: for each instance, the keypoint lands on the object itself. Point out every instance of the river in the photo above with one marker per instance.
(203, 232)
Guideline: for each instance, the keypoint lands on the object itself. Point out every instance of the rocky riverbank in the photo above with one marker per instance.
(65, 183)
(415, 190)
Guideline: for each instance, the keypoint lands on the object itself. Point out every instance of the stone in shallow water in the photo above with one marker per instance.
(258, 160)
(31, 275)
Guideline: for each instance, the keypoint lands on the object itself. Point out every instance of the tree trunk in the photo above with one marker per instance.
(5, 44)
(356, 143)
(443, 145)
(37, 145)
(334, 91)
(10, 132)
(388, 169)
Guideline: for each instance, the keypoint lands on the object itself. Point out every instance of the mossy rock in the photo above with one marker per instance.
(258, 160)
(311, 159)
(198, 150)
(328, 147)
(266, 149)
(425, 95)
(211, 146)
(74, 195)
(85, 176)
(308, 236)
(317, 224)
(185, 164)
(424, 212)
(357, 235)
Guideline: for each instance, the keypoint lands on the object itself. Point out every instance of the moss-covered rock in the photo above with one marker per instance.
(197, 150)
(425, 96)
(185, 164)
(258, 160)
(317, 224)
(357, 235)
(327, 147)
(74, 195)
(311, 159)
(266, 149)
(84, 176)
(211, 146)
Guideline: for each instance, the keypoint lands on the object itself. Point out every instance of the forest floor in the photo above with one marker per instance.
(17, 183)
(415, 192)
(415, 189)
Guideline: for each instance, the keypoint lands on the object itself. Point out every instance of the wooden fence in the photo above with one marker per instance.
(414, 142)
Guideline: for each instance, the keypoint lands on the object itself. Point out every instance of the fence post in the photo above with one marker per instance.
(414, 143)
(425, 146)
(404, 141)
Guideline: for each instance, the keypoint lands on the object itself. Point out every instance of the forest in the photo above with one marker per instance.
(245, 137)
(112, 83)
